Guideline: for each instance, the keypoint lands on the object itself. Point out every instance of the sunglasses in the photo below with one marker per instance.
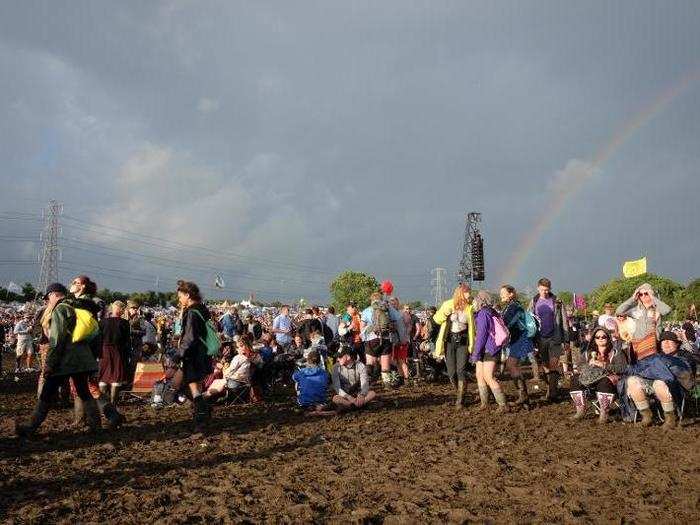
(643, 294)
(600, 337)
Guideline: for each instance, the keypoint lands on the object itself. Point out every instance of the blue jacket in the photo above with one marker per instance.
(672, 370)
(311, 386)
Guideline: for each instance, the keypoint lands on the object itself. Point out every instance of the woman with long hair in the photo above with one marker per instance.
(191, 354)
(237, 374)
(520, 346)
(84, 296)
(486, 354)
(598, 374)
(456, 338)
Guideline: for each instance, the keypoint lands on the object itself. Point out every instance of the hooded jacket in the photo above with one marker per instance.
(65, 357)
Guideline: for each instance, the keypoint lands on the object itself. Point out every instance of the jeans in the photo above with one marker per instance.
(456, 359)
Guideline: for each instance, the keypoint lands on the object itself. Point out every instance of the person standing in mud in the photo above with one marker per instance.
(133, 316)
(553, 335)
(191, 354)
(456, 337)
(83, 296)
(64, 358)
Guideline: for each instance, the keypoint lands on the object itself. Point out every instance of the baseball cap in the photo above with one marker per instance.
(55, 287)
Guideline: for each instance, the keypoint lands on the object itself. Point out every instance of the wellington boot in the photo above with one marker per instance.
(484, 398)
(78, 413)
(459, 401)
(553, 387)
(579, 414)
(41, 410)
(501, 400)
(92, 415)
(521, 385)
(646, 417)
(579, 399)
(670, 421)
(110, 412)
(114, 395)
(200, 414)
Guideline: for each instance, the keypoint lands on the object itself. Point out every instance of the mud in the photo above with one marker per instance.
(411, 458)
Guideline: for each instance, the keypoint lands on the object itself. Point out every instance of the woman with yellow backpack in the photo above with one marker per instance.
(89, 311)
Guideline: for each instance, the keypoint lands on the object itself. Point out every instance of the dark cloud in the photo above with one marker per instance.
(305, 138)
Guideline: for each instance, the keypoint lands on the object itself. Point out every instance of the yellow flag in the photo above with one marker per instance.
(635, 268)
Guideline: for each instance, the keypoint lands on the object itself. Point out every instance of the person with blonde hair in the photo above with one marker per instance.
(116, 346)
(456, 337)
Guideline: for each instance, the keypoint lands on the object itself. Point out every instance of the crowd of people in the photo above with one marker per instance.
(628, 360)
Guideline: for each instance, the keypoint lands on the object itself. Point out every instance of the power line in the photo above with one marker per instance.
(158, 241)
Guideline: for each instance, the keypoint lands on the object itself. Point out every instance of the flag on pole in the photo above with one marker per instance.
(635, 268)
(580, 302)
(219, 281)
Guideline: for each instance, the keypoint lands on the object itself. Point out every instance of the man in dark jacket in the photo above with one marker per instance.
(553, 335)
(65, 358)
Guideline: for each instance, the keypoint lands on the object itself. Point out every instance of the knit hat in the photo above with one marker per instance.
(669, 336)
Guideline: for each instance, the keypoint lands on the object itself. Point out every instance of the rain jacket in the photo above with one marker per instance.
(65, 357)
(441, 317)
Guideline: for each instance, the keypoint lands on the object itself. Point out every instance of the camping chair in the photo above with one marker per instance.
(236, 396)
(145, 376)
(695, 395)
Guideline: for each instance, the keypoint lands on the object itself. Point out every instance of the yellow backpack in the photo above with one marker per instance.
(86, 327)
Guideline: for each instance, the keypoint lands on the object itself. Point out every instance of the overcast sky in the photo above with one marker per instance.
(293, 140)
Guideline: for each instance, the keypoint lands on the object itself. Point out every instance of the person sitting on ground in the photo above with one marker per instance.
(236, 376)
(311, 383)
(606, 360)
(350, 381)
(318, 342)
(671, 345)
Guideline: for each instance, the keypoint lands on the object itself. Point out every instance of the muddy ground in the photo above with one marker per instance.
(412, 458)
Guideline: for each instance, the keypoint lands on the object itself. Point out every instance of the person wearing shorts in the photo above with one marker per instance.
(486, 354)
(554, 333)
(25, 345)
(377, 346)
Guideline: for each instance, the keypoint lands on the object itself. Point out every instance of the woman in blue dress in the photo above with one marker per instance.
(520, 346)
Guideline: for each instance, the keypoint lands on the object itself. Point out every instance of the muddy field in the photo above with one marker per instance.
(411, 458)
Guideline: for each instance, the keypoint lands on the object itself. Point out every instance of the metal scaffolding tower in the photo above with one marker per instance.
(49, 255)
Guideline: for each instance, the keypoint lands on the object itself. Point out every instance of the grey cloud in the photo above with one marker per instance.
(321, 135)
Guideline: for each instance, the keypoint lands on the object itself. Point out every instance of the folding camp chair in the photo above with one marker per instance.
(236, 396)
(145, 376)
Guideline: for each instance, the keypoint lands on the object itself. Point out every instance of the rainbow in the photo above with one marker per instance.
(564, 192)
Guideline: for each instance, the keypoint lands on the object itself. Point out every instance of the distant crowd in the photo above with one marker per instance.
(627, 363)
